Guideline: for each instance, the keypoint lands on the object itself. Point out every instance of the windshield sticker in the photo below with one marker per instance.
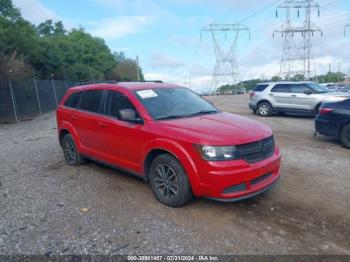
(146, 94)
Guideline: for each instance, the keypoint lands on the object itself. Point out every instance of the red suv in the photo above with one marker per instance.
(171, 137)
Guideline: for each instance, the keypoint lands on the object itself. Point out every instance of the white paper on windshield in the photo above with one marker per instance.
(146, 94)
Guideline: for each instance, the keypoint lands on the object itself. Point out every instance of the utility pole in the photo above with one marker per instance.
(297, 58)
(339, 72)
(226, 71)
(345, 28)
(137, 69)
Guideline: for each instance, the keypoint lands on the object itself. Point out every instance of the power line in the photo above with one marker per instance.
(226, 71)
(294, 53)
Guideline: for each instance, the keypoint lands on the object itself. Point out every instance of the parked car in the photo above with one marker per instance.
(291, 97)
(171, 137)
(333, 119)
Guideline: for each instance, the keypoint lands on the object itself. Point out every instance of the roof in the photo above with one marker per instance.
(285, 82)
(127, 85)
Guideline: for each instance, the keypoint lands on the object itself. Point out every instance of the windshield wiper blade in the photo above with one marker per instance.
(203, 112)
(170, 117)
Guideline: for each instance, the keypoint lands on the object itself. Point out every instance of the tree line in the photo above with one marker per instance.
(330, 77)
(48, 51)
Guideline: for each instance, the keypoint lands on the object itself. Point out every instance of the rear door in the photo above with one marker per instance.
(279, 96)
(86, 120)
(299, 100)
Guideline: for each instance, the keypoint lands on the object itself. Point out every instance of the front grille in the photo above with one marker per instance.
(257, 151)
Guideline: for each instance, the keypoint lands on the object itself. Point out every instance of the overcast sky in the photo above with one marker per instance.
(165, 34)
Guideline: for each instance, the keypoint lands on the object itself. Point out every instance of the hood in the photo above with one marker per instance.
(217, 129)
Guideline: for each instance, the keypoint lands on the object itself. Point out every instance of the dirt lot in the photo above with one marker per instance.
(51, 208)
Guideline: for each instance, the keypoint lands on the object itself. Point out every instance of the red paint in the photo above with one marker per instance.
(126, 145)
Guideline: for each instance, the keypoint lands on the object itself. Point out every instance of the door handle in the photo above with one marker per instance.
(293, 95)
(74, 117)
(102, 124)
(270, 94)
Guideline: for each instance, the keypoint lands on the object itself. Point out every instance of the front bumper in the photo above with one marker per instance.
(251, 195)
(236, 180)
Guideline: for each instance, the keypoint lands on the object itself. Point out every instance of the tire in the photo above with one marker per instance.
(70, 152)
(345, 136)
(264, 109)
(169, 181)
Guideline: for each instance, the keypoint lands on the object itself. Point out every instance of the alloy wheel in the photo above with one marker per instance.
(166, 181)
(69, 150)
(263, 110)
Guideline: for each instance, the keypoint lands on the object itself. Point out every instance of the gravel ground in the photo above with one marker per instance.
(47, 207)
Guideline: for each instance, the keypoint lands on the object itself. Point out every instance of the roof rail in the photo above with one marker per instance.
(98, 82)
(153, 81)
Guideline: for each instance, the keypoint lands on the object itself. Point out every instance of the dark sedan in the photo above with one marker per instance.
(333, 119)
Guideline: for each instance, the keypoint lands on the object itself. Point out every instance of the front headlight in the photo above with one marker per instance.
(217, 153)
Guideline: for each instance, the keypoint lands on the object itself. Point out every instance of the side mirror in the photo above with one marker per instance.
(308, 92)
(129, 115)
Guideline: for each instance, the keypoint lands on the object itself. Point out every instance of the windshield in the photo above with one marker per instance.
(167, 103)
(318, 88)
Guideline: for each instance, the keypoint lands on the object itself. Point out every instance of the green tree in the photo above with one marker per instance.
(276, 78)
(8, 11)
(51, 51)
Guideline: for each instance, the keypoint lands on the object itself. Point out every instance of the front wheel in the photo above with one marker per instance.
(264, 109)
(345, 136)
(169, 181)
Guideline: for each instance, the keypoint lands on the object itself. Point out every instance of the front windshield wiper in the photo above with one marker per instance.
(204, 112)
(170, 117)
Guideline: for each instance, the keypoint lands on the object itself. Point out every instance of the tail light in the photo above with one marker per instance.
(252, 94)
(325, 110)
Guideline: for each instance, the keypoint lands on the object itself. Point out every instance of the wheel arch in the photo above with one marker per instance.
(172, 148)
(264, 101)
(65, 129)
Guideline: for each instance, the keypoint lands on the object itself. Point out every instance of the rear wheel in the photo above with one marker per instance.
(71, 154)
(264, 109)
(345, 136)
(169, 181)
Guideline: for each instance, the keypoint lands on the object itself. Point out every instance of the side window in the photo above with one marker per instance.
(72, 100)
(260, 88)
(115, 102)
(299, 89)
(90, 101)
(281, 88)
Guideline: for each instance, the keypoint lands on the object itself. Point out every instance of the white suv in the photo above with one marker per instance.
(291, 97)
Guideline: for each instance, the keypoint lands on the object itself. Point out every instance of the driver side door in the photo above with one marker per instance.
(122, 140)
(301, 97)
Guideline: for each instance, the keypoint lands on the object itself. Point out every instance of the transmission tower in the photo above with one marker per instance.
(345, 28)
(297, 55)
(226, 71)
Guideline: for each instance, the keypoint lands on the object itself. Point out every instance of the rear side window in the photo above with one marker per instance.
(91, 101)
(281, 88)
(260, 88)
(299, 88)
(72, 100)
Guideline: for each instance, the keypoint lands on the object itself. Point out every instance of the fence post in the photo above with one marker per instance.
(54, 91)
(37, 95)
(13, 101)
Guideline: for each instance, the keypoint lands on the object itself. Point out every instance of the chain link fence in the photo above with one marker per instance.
(25, 99)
